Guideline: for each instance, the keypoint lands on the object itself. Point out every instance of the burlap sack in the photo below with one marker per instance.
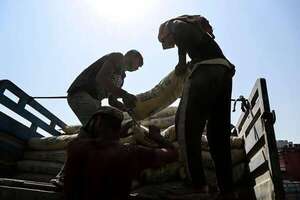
(235, 142)
(161, 96)
(166, 173)
(161, 123)
(237, 156)
(141, 136)
(169, 133)
(51, 143)
(53, 156)
(238, 173)
(167, 112)
(40, 167)
(73, 129)
(33, 177)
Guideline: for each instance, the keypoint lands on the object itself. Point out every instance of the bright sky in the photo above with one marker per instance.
(46, 44)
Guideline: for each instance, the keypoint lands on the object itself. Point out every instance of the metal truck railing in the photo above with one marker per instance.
(19, 106)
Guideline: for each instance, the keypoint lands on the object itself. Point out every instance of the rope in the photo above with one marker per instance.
(54, 97)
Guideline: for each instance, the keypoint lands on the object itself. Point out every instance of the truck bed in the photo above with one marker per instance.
(255, 126)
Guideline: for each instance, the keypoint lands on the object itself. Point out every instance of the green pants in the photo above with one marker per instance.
(83, 105)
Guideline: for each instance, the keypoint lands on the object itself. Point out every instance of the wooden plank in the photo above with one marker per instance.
(271, 144)
(258, 160)
(250, 121)
(54, 156)
(265, 190)
(253, 95)
(43, 167)
(33, 177)
(255, 134)
(259, 133)
(27, 184)
(17, 193)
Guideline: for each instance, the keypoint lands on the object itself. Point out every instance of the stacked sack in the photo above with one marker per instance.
(46, 155)
(177, 171)
(11, 151)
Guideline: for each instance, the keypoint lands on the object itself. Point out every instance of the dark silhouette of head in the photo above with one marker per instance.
(133, 60)
(105, 124)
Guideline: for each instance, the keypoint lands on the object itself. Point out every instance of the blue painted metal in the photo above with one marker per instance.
(10, 151)
(14, 127)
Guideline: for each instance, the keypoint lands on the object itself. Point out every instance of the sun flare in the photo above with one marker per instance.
(121, 11)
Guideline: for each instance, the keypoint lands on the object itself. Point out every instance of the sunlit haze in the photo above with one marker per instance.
(45, 44)
(121, 11)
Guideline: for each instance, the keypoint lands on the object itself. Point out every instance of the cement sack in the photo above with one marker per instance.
(161, 123)
(175, 171)
(11, 148)
(160, 97)
(238, 173)
(53, 156)
(237, 156)
(33, 177)
(169, 133)
(40, 167)
(141, 136)
(235, 142)
(166, 173)
(51, 143)
(167, 112)
(70, 130)
(128, 140)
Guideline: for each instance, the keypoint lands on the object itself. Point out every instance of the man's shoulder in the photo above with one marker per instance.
(79, 145)
(115, 56)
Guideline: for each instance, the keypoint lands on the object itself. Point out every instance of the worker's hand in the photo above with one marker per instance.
(125, 127)
(154, 134)
(129, 101)
(180, 69)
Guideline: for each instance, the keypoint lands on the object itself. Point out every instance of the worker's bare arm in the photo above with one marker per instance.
(113, 101)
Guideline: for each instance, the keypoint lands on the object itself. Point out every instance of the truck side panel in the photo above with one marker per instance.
(12, 126)
(256, 126)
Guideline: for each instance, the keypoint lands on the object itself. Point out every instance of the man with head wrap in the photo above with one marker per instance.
(101, 167)
(206, 98)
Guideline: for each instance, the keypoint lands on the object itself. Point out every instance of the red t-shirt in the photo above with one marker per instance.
(104, 170)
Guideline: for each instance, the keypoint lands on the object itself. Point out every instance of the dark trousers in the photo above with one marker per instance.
(207, 99)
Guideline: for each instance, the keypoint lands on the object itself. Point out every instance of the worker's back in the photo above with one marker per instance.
(86, 81)
(104, 169)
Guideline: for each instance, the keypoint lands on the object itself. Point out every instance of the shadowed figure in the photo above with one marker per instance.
(103, 168)
(206, 98)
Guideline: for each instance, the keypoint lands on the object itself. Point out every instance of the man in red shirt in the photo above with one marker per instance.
(101, 167)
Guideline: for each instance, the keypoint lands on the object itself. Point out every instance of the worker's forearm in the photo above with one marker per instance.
(115, 103)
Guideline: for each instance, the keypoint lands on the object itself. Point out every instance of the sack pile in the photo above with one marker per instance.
(46, 155)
